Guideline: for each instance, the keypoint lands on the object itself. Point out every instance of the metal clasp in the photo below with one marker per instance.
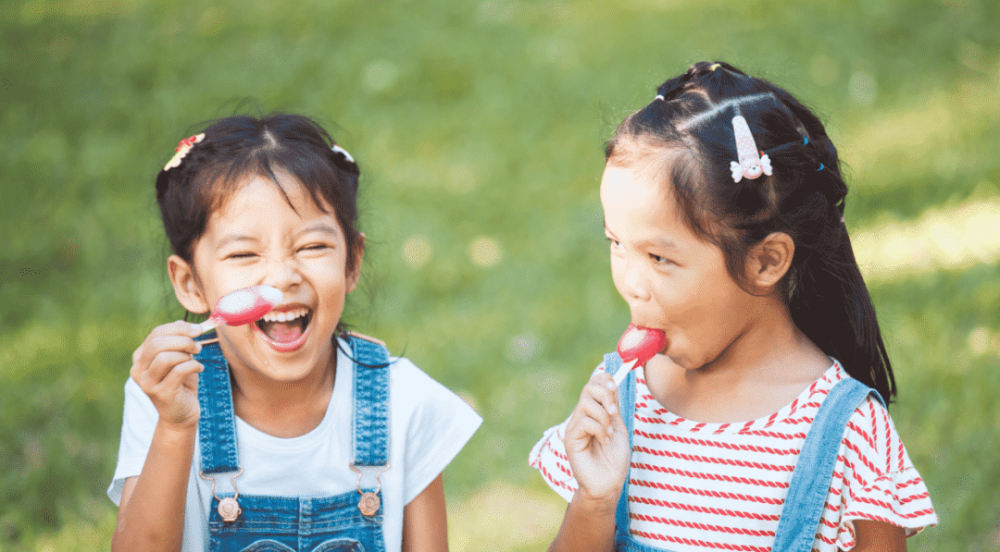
(369, 501)
(229, 508)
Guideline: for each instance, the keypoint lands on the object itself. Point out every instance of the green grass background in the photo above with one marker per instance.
(479, 128)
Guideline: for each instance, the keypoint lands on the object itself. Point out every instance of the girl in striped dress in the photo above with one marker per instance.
(762, 424)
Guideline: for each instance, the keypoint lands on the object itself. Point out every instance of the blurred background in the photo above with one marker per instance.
(479, 128)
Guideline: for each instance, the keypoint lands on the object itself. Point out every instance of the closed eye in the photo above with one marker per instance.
(241, 255)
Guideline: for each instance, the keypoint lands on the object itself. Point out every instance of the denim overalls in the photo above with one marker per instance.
(348, 522)
(810, 481)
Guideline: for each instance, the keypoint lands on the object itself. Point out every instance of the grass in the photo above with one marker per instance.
(479, 128)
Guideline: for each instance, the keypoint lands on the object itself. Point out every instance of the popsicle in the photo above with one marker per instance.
(636, 346)
(242, 306)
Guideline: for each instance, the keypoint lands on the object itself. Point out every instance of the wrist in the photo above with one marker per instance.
(597, 506)
(177, 432)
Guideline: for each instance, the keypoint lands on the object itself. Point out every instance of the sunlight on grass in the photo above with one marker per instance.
(940, 239)
(922, 130)
(503, 518)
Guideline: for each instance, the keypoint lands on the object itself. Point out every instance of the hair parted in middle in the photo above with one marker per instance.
(687, 134)
(191, 188)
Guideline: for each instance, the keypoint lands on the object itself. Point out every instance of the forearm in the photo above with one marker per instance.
(587, 527)
(151, 512)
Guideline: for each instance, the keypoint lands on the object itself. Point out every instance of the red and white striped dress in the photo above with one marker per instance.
(702, 486)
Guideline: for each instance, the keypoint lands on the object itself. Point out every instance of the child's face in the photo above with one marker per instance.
(255, 238)
(672, 279)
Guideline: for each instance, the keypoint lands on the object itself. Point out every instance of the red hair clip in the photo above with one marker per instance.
(182, 150)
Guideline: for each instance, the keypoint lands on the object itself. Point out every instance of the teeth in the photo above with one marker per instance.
(285, 316)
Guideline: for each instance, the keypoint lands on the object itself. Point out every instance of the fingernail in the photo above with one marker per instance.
(612, 409)
(611, 385)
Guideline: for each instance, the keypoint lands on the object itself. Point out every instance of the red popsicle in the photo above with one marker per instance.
(638, 345)
(242, 306)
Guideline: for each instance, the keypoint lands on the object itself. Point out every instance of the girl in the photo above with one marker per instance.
(287, 433)
(723, 203)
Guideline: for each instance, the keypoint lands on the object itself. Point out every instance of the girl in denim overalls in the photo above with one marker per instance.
(761, 424)
(288, 433)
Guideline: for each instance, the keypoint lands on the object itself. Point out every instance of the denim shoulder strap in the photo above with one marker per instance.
(217, 423)
(626, 404)
(810, 483)
(371, 402)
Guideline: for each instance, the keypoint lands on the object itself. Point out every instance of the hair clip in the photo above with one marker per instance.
(751, 164)
(342, 151)
(659, 97)
(714, 66)
(182, 150)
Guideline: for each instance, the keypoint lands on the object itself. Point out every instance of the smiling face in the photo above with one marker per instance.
(671, 279)
(256, 237)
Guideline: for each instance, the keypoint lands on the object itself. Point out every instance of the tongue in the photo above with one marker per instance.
(284, 332)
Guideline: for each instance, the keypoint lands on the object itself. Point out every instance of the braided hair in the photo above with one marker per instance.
(804, 198)
(237, 147)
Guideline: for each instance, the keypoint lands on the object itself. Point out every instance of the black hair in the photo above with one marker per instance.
(804, 198)
(240, 146)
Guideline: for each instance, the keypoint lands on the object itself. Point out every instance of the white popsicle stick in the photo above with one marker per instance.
(624, 370)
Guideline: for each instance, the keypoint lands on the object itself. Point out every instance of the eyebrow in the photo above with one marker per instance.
(658, 242)
(232, 238)
(319, 227)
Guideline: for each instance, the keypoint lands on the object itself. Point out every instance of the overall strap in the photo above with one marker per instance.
(807, 492)
(217, 422)
(371, 402)
(626, 404)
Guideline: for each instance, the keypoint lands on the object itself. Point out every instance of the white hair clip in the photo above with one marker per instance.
(752, 164)
(343, 152)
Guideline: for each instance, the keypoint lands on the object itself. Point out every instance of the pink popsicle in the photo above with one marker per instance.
(242, 306)
(638, 345)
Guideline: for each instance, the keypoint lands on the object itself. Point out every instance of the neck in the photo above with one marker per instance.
(284, 408)
(762, 369)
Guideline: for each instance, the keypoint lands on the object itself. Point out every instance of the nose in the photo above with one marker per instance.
(283, 273)
(635, 283)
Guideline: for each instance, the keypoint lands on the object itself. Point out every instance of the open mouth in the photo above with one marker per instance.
(285, 329)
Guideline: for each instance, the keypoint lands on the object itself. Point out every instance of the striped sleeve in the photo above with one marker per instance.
(548, 456)
(878, 481)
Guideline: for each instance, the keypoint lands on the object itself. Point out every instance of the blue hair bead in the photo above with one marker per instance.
(805, 140)
(820, 167)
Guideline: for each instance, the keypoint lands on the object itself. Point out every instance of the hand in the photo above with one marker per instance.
(597, 442)
(165, 369)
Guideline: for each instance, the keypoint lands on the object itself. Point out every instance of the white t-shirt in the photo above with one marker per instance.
(429, 425)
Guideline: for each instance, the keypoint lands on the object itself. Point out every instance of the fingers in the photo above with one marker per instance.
(165, 347)
(177, 376)
(597, 415)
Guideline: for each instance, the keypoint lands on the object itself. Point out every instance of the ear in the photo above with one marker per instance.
(186, 286)
(769, 261)
(354, 275)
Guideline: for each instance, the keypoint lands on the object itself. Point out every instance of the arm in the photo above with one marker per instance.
(425, 522)
(598, 450)
(151, 510)
(878, 536)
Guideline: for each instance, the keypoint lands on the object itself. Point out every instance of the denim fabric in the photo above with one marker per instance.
(810, 481)
(217, 423)
(296, 524)
(810, 484)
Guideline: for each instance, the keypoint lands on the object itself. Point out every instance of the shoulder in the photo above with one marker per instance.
(411, 390)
